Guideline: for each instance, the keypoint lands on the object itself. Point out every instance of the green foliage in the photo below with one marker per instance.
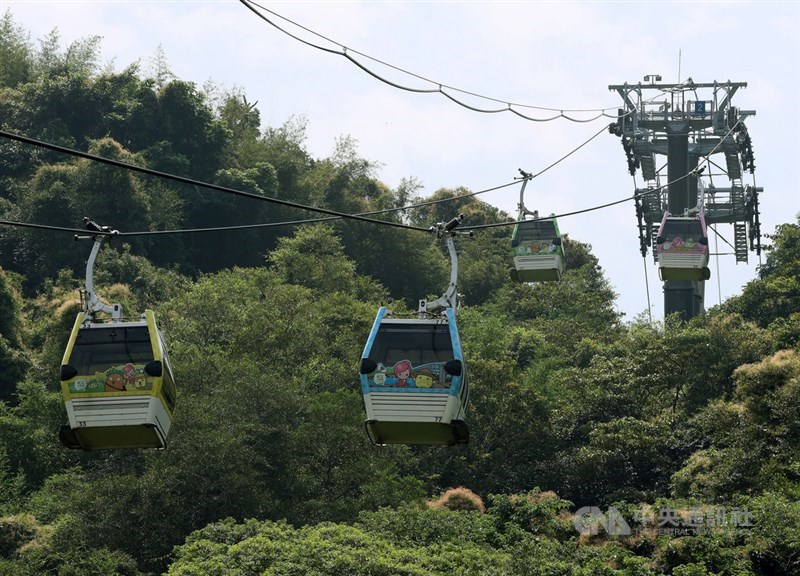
(314, 258)
(716, 553)
(16, 53)
(538, 513)
(483, 257)
(207, 208)
(16, 532)
(580, 305)
(330, 549)
(32, 548)
(242, 119)
(10, 307)
(111, 196)
(29, 434)
(284, 148)
(147, 285)
(12, 485)
(411, 265)
(775, 294)
(255, 399)
(339, 472)
(425, 526)
(754, 436)
(417, 540)
(775, 537)
(267, 447)
(15, 364)
(187, 123)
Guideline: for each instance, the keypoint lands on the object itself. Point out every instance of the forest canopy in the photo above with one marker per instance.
(686, 432)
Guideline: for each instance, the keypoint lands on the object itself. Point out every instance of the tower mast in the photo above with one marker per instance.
(690, 123)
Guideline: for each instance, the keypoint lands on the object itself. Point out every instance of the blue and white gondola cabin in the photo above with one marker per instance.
(414, 381)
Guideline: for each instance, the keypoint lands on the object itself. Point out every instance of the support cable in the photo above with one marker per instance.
(262, 225)
(716, 260)
(647, 288)
(192, 182)
(438, 86)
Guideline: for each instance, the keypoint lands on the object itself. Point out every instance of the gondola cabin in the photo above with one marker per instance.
(682, 248)
(414, 381)
(117, 385)
(537, 251)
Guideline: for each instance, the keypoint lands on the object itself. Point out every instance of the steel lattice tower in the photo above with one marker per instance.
(691, 124)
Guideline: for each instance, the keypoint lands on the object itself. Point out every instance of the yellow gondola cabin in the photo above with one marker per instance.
(117, 385)
(116, 378)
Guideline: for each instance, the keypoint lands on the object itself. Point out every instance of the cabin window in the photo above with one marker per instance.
(417, 344)
(98, 349)
(533, 230)
(685, 229)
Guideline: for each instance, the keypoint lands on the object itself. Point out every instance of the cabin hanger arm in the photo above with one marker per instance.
(523, 211)
(93, 303)
(450, 297)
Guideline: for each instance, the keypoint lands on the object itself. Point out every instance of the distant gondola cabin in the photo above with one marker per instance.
(117, 385)
(682, 248)
(537, 251)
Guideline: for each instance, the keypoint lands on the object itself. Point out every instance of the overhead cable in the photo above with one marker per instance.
(192, 182)
(318, 220)
(576, 212)
(47, 227)
(603, 129)
(263, 225)
(438, 87)
(695, 172)
(335, 215)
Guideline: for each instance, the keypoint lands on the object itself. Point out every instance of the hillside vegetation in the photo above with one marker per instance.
(688, 433)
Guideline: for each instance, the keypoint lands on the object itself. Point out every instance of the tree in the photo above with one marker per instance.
(80, 58)
(284, 148)
(243, 121)
(62, 195)
(775, 295)
(187, 123)
(110, 195)
(13, 358)
(158, 68)
(148, 286)
(314, 258)
(29, 548)
(753, 436)
(579, 307)
(16, 53)
(212, 208)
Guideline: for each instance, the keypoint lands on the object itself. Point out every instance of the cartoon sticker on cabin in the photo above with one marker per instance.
(678, 244)
(425, 379)
(116, 379)
(405, 375)
(541, 247)
(402, 375)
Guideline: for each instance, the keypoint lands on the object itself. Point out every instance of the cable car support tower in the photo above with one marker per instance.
(691, 124)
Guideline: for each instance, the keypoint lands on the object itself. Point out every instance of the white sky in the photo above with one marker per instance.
(560, 55)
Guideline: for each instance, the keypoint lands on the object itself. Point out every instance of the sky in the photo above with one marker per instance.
(550, 55)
